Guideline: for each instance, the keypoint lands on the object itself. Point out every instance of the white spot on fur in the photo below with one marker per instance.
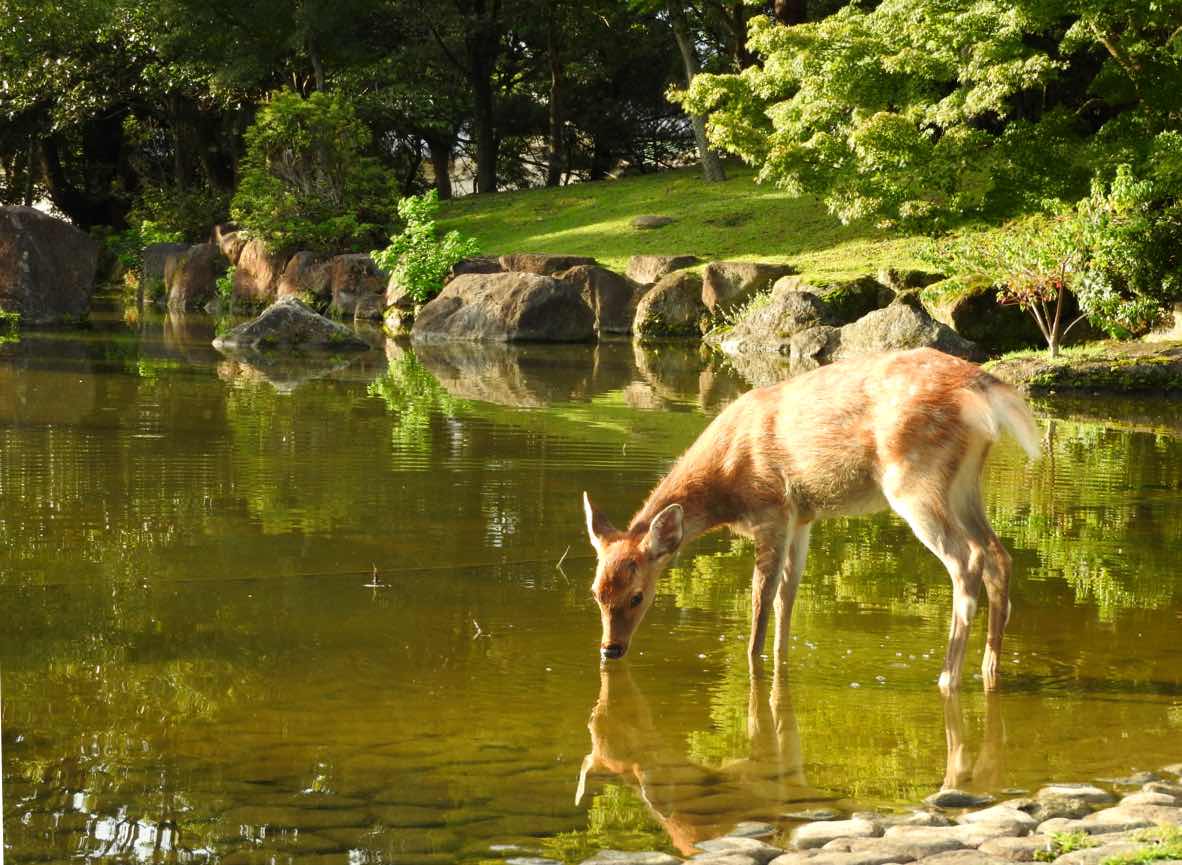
(966, 608)
(945, 680)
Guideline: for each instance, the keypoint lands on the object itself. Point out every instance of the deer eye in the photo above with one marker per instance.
(636, 599)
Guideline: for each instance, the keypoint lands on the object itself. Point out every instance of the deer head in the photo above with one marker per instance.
(628, 566)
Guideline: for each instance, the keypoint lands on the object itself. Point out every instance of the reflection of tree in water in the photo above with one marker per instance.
(413, 398)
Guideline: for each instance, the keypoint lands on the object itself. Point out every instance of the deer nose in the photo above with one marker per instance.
(611, 651)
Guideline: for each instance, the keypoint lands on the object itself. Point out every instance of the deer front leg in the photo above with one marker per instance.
(798, 551)
(770, 549)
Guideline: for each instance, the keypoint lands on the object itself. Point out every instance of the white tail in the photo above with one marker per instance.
(1013, 415)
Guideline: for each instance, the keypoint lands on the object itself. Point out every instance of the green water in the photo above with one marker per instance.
(253, 617)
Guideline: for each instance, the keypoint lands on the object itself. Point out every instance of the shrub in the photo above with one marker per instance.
(189, 214)
(417, 257)
(127, 246)
(305, 181)
(225, 285)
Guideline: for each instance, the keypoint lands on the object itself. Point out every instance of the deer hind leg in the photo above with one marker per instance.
(770, 551)
(932, 520)
(798, 550)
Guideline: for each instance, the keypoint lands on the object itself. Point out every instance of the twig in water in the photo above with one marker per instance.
(562, 559)
(479, 631)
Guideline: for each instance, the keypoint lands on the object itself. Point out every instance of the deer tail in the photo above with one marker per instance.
(1011, 413)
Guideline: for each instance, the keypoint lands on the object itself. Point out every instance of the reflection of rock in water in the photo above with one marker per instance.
(35, 365)
(762, 369)
(526, 376)
(678, 372)
(287, 372)
(188, 336)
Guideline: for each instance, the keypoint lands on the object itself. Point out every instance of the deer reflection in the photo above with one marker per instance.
(693, 801)
(988, 770)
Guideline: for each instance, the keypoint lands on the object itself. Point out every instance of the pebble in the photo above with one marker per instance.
(756, 849)
(752, 829)
(626, 857)
(899, 849)
(1148, 798)
(999, 814)
(1085, 792)
(531, 860)
(816, 857)
(1096, 855)
(1017, 849)
(1134, 780)
(814, 815)
(1174, 790)
(724, 859)
(972, 835)
(958, 799)
(821, 833)
(964, 857)
(914, 818)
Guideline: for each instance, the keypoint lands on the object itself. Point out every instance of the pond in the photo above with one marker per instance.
(342, 614)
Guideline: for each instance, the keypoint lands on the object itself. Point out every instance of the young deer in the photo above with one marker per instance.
(909, 430)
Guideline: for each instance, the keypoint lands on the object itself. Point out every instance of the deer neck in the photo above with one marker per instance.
(698, 494)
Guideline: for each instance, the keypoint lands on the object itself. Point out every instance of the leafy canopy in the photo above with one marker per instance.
(417, 258)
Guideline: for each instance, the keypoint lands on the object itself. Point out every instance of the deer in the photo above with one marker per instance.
(907, 430)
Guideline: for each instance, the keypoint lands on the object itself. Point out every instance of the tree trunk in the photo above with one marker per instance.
(790, 12)
(711, 164)
(317, 65)
(485, 134)
(441, 165)
(30, 170)
(554, 155)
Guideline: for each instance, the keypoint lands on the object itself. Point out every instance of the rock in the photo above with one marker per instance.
(474, 264)
(257, 273)
(307, 277)
(972, 835)
(1149, 798)
(817, 857)
(612, 297)
(544, 265)
(47, 267)
(650, 221)
(900, 281)
(729, 284)
(672, 307)
(963, 857)
(914, 818)
(155, 260)
(506, 307)
(191, 277)
(724, 859)
(523, 376)
(229, 240)
(1097, 855)
(1173, 769)
(1169, 330)
(757, 850)
(814, 814)
(1049, 805)
(625, 857)
(289, 325)
(958, 799)
(358, 287)
(998, 814)
(1100, 823)
(1022, 849)
(899, 849)
(647, 269)
(1174, 790)
(821, 833)
(769, 325)
(846, 300)
(976, 314)
(811, 348)
(531, 860)
(752, 829)
(900, 326)
(1080, 792)
(1156, 814)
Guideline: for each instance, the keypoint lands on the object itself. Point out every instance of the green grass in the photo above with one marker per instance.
(1064, 842)
(1162, 843)
(735, 220)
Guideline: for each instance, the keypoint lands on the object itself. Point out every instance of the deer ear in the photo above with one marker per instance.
(666, 531)
(597, 524)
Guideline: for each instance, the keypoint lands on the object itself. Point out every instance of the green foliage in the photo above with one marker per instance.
(127, 246)
(921, 112)
(1132, 231)
(187, 214)
(1064, 842)
(9, 326)
(225, 284)
(306, 181)
(1163, 843)
(417, 257)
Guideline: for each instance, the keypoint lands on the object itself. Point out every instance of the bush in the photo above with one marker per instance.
(127, 246)
(188, 214)
(305, 181)
(417, 257)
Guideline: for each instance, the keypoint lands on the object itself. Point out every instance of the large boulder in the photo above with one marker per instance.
(672, 307)
(307, 277)
(257, 273)
(400, 306)
(729, 284)
(507, 307)
(612, 297)
(156, 258)
(47, 267)
(647, 269)
(289, 325)
(474, 264)
(901, 326)
(545, 265)
(770, 324)
(976, 313)
(358, 286)
(191, 278)
(846, 300)
(229, 239)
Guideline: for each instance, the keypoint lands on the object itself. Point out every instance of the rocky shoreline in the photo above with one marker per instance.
(1066, 824)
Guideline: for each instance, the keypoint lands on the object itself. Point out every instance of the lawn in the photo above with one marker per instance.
(736, 220)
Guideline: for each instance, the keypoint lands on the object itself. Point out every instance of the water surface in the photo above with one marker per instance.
(315, 614)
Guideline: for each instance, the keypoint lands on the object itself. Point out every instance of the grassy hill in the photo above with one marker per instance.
(737, 220)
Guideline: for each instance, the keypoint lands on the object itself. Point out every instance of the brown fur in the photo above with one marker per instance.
(909, 430)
